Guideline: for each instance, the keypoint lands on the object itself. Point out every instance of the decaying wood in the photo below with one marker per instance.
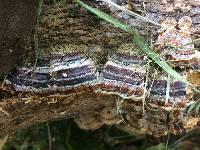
(66, 27)
(17, 18)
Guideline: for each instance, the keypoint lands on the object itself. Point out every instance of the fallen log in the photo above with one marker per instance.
(66, 28)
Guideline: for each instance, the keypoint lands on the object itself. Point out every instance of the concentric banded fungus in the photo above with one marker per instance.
(178, 92)
(70, 74)
(123, 75)
(65, 73)
(25, 80)
(177, 44)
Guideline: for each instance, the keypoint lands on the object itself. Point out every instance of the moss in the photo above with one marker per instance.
(129, 48)
(66, 49)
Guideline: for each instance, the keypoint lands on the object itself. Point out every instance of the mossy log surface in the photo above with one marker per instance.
(64, 27)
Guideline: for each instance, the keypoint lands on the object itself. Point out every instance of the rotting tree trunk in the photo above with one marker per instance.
(68, 25)
(16, 22)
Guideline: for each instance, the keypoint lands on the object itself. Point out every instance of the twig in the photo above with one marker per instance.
(145, 91)
(1, 109)
(4, 80)
(167, 96)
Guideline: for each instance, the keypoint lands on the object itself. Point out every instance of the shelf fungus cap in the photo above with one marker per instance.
(185, 23)
(167, 24)
(88, 122)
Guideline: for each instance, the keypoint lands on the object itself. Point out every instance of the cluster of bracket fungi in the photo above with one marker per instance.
(126, 76)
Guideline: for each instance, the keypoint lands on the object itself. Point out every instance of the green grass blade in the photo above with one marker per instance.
(131, 13)
(156, 59)
(198, 108)
(193, 42)
(104, 16)
(195, 106)
(189, 111)
(167, 97)
(160, 146)
(136, 39)
(194, 133)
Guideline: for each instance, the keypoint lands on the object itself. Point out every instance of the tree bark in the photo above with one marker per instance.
(69, 27)
(17, 18)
